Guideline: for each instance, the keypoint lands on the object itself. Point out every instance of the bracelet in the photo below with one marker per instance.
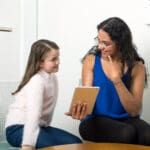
(117, 82)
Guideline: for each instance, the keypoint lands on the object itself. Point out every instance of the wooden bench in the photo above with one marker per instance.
(98, 146)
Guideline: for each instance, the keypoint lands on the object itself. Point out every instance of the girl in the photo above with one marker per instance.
(27, 123)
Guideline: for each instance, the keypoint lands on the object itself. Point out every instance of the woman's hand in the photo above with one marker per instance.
(78, 111)
(115, 69)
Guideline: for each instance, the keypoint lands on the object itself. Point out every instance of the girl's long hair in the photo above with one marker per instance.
(121, 35)
(39, 49)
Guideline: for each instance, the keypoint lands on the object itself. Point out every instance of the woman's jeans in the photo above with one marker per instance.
(48, 136)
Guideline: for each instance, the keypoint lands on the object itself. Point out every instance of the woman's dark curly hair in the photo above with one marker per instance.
(120, 34)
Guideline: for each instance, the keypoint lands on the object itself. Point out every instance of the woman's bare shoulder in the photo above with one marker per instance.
(89, 58)
(138, 67)
(89, 61)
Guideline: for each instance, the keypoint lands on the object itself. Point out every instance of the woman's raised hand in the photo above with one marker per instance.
(115, 69)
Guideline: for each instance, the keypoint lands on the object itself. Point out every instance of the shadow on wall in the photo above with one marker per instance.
(146, 103)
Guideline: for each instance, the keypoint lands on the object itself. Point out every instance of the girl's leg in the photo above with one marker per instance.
(104, 129)
(50, 136)
(14, 135)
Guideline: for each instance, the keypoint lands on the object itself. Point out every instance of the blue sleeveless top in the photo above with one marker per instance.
(107, 102)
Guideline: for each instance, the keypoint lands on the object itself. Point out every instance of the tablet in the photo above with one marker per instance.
(87, 95)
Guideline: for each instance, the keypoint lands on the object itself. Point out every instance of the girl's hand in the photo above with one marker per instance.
(27, 147)
(78, 111)
(115, 70)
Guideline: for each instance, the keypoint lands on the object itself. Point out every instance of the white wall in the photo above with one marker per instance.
(10, 41)
(28, 30)
(72, 24)
(20, 16)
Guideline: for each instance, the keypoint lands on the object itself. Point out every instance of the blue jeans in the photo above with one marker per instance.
(48, 136)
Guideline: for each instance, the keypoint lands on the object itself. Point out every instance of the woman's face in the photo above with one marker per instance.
(106, 45)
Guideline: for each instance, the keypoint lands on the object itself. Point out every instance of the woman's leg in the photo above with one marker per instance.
(104, 129)
(142, 129)
(50, 136)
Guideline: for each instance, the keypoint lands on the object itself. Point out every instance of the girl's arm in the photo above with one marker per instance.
(34, 97)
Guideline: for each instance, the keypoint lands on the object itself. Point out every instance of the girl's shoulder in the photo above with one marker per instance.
(36, 79)
(41, 79)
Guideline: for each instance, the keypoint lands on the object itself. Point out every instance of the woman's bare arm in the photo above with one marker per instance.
(87, 70)
(132, 99)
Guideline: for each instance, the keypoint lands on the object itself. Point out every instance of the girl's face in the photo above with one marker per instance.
(106, 45)
(51, 62)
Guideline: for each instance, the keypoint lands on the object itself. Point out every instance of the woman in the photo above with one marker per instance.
(115, 66)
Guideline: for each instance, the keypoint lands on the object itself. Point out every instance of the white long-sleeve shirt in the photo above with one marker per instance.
(34, 106)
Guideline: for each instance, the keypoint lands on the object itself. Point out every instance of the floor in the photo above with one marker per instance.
(5, 146)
